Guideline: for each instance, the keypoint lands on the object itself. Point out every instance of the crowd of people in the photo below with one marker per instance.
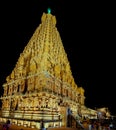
(6, 125)
(99, 125)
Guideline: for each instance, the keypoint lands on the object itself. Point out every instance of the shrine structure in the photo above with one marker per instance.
(41, 87)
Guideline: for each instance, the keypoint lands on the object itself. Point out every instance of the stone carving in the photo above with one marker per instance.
(22, 85)
(42, 78)
(13, 104)
(50, 104)
(6, 104)
(43, 102)
(5, 90)
(33, 66)
(36, 102)
(37, 83)
(30, 84)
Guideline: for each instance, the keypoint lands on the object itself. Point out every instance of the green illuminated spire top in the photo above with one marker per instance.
(49, 11)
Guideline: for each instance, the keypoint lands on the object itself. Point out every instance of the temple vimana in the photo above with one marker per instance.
(41, 87)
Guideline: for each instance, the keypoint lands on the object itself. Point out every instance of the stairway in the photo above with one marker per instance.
(72, 122)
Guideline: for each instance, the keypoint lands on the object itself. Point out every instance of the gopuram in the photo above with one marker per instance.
(41, 87)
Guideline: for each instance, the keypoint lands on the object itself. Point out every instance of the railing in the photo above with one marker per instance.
(73, 122)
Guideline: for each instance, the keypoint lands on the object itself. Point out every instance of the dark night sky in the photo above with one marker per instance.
(87, 31)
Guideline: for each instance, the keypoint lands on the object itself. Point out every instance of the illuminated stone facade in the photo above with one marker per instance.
(41, 85)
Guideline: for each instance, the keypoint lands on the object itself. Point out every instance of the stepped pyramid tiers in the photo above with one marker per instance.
(41, 85)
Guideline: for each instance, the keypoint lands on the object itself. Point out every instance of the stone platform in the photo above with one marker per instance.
(15, 127)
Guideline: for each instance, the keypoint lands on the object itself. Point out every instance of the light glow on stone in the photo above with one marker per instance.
(49, 11)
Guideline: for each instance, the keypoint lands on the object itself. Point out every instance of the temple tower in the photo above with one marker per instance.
(41, 86)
